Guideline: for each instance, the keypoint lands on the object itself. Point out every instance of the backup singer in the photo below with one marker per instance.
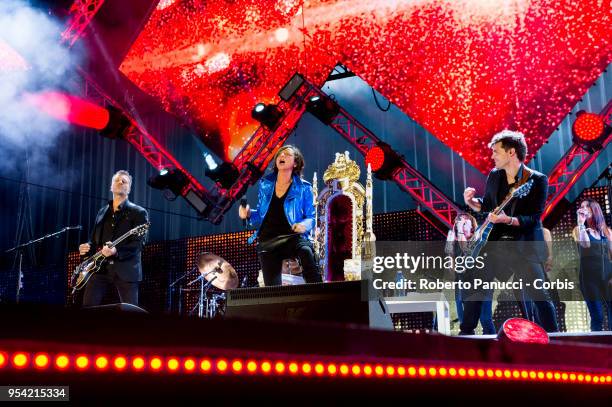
(284, 217)
(524, 259)
(123, 268)
(594, 239)
(456, 243)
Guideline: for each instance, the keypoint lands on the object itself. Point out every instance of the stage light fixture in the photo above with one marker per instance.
(225, 174)
(118, 124)
(590, 130)
(323, 108)
(268, 115)
(522, 330)
(383, 160)
(169, 179)
(291, 87)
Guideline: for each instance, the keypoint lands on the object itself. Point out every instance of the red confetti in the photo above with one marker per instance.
(463, 69)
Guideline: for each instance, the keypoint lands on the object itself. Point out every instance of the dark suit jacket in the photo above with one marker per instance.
(126, 263)
(528, 210)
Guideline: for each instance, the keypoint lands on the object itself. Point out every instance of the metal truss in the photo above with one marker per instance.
(253, 159)
(82, 12)
(151, 149)
(406, 177)
(255, 156)
(571, 166)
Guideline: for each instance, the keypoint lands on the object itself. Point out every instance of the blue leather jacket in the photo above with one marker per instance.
(299, 207)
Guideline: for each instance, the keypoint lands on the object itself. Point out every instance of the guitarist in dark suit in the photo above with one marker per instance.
(122, 268)
(526, 257)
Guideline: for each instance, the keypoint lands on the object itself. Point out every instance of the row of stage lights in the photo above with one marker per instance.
(63, 362)
(589, 129)
(381, 157)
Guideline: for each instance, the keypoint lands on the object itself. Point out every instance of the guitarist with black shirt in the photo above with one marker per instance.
(526, 257)
(122, 268)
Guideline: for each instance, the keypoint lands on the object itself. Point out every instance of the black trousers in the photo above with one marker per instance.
(501, 265)
(100, 282)
(298, 247)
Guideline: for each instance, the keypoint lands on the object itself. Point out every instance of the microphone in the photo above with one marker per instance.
(243, 204)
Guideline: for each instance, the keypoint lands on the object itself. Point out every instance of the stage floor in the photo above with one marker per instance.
(141, 356)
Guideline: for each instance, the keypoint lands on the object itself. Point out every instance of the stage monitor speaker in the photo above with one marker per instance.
(119, 307)
(347, 302)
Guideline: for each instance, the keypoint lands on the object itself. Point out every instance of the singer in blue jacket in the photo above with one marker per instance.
(284, 217)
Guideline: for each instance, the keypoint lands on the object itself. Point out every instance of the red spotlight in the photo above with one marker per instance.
(375, 157)
(522, 330)
(383, 160)
(588, 126)
(590, 130)
(69, 108)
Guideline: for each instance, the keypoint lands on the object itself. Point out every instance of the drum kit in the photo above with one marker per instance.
(216, 272)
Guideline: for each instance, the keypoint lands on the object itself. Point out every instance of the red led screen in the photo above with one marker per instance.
(463, 69)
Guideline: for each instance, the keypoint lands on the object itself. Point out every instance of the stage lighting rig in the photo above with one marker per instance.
(323, 108)
(118, 123)
(590, 131)
(268, 115)
(383, 160)
(169, 179)
(291, 87)
(225, 174)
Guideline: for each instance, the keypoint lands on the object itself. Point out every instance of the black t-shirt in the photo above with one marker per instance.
(275, 223)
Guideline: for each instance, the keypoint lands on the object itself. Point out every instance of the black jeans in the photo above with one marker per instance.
(501, 265)
(297, 247)
(100, 282)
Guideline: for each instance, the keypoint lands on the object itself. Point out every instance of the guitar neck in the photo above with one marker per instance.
(497, 211)
(122, 238)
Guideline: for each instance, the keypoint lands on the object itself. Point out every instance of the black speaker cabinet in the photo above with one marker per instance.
(347, 302)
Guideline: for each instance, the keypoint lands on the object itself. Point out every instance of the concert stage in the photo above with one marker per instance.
(343, 134)
(111, 356)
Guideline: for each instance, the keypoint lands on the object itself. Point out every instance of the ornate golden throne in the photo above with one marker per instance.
(344, 239)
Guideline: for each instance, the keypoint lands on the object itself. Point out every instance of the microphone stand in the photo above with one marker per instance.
(19, 248)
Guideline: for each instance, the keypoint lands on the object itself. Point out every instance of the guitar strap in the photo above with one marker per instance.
(524, 175)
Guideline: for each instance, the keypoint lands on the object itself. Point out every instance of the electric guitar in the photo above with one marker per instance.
(481, 234)
(92, 265)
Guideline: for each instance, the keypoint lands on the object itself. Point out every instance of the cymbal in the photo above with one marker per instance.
(227, 277)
